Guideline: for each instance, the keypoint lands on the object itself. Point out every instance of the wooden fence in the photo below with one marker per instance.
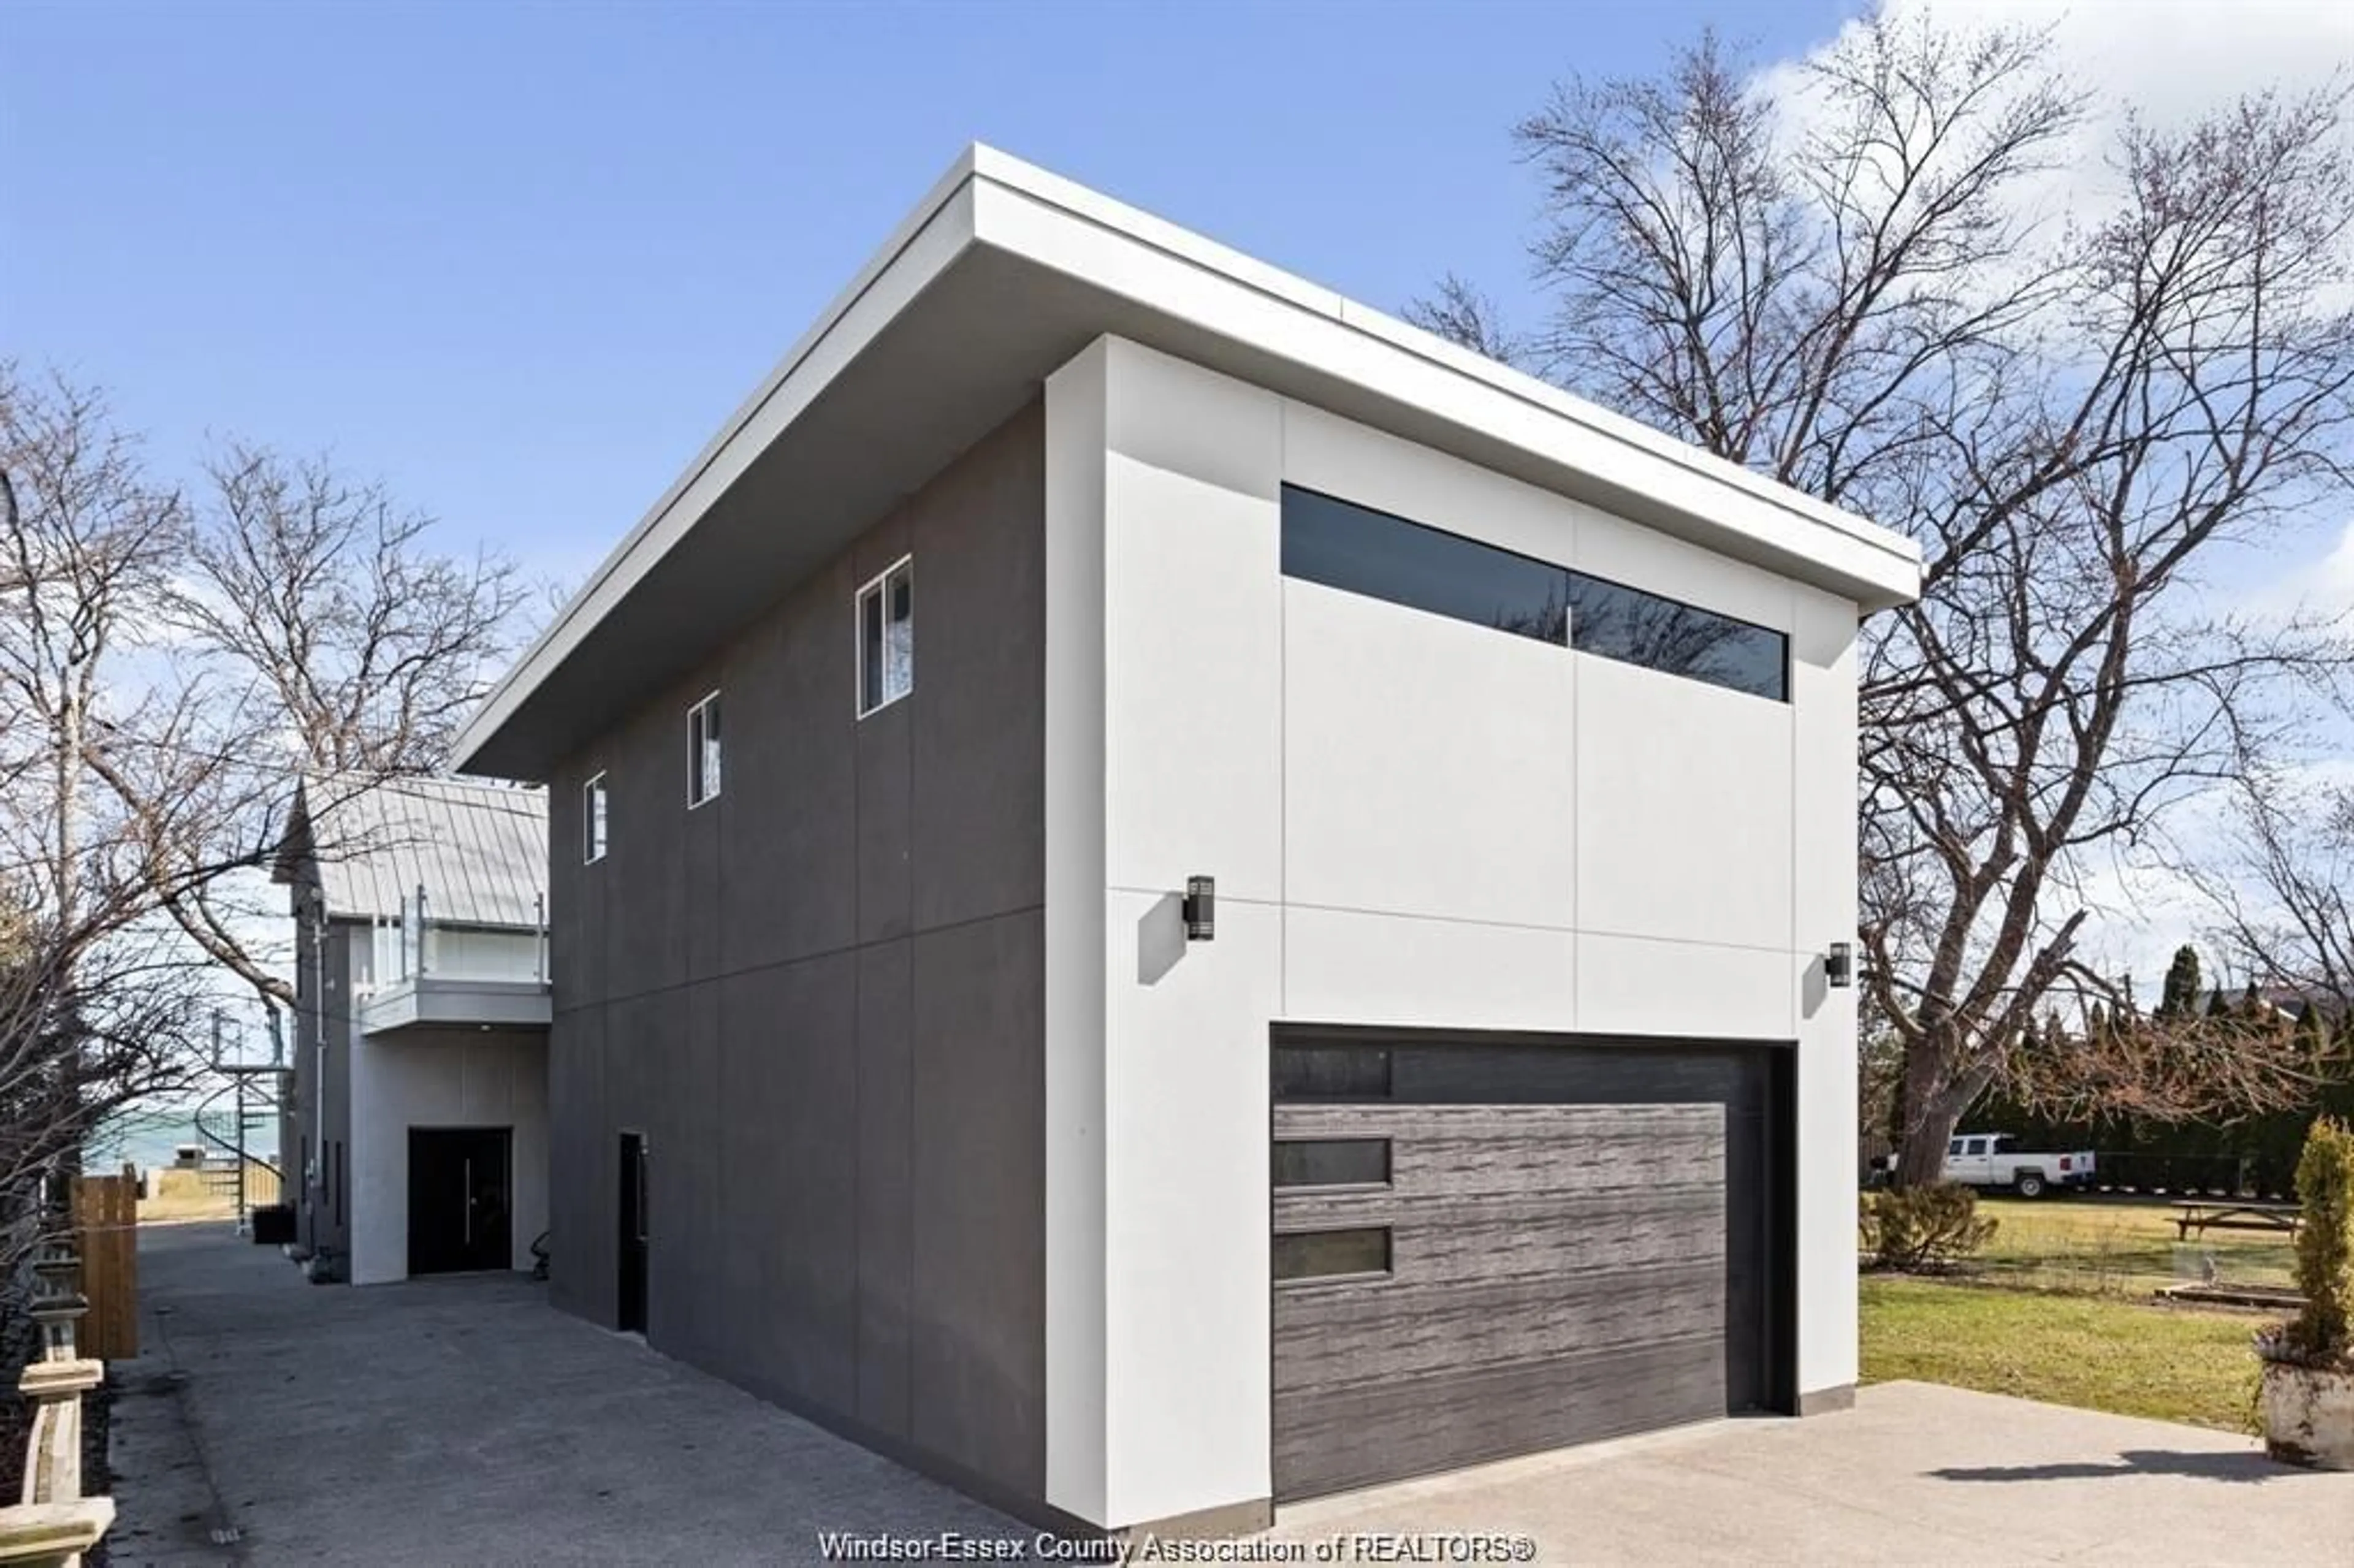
(172, 1188)
(106, 1232)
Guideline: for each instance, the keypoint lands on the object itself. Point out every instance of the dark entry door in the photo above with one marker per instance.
(1489, 1246)
(459, 1193)
(630, 1313)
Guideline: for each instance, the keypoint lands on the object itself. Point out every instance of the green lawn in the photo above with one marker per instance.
(2116, 1247)
(2102, 1353)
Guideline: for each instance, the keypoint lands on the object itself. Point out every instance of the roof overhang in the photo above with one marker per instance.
(1003, 274)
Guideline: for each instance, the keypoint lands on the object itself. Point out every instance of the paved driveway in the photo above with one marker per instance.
(1915, 1473)
(464, 1421)
(460, 1420)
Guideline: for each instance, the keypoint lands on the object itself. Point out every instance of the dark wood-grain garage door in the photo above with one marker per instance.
(1489, 1245)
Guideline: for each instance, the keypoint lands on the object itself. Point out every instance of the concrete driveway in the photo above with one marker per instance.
(460, 1420)
(463, 1420)
(1915, 1473)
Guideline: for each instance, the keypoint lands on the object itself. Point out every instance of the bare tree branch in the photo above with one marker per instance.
(1851, 294)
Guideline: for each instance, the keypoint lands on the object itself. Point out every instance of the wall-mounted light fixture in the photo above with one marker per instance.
(1839, 965)
(1200, 909)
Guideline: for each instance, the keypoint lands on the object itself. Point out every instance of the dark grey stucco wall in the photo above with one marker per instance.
(821, 997)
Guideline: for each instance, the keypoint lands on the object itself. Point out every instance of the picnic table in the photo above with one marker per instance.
(2203, 1215)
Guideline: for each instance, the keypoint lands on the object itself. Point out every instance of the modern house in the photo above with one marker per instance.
(416, 1128)
(1168, 894)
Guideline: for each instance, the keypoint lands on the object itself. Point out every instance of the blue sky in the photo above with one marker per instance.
(520, 260)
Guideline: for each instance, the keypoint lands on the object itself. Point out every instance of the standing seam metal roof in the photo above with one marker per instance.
(479, 851)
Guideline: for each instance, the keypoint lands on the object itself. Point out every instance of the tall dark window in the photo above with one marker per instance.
(702, 752)
(1341, 545)
(592, 821)
(887, 638)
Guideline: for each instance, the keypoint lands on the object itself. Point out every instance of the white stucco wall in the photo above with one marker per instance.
(443, 1078)
(1412, 820)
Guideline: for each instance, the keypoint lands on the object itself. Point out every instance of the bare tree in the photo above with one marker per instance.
(1851, 293)
(169, 672)
(94, 1011)
(2286, 901)
(369, 648)
(1464, 315)
(95, 1017)
(323, 639)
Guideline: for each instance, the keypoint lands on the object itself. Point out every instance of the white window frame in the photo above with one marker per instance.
(695, 754)
(595, 801)
(878, 584)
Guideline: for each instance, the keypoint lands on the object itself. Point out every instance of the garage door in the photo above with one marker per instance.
(1490, 1247)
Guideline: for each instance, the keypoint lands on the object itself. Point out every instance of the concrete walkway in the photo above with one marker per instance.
(458, 1419)
(465, 1421)
(1915, 1473)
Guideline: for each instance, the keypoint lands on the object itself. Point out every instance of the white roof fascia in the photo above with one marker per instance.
(989, 198)
(1058, 224)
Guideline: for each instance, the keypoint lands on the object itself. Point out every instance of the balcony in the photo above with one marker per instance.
(424, 974)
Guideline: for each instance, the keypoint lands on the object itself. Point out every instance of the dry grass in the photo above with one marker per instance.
(176, 1194)
(2126, 1247)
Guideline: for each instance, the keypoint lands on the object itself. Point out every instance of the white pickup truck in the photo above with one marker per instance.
(1994, 1159)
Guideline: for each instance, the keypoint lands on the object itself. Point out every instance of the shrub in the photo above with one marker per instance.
(2321, 1331)
(1923, 1227)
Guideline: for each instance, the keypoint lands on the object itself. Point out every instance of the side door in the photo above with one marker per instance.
(488, 1233)
(1967, 1161)
(437, 1201)
(634, 1256)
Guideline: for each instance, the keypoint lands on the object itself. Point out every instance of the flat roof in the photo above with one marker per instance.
(1000, 276)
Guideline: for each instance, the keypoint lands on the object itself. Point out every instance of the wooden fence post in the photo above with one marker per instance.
(106, 1227)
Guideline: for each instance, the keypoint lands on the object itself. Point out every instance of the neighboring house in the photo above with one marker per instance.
(415, 1131)
(1506, 1098)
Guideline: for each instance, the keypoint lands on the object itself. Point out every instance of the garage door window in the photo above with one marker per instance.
(1331, 1255)
(1331, 1072)
(1332, 1162)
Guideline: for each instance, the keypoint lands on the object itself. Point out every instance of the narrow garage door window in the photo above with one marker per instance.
(1360, 1252)
(1331, 1162)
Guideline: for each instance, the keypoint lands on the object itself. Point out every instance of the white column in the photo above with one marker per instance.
(1164, 760)
(1075, 927)
(1822, 693)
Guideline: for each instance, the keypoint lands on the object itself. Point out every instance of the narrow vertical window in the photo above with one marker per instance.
(592, 821)
(887, 638)
(702, 751)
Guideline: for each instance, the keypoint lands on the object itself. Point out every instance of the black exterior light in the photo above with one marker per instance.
(1838, 965)
(1200, 909)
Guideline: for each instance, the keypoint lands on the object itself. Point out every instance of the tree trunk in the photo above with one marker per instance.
(1922, 1161)
(1934, 1103)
